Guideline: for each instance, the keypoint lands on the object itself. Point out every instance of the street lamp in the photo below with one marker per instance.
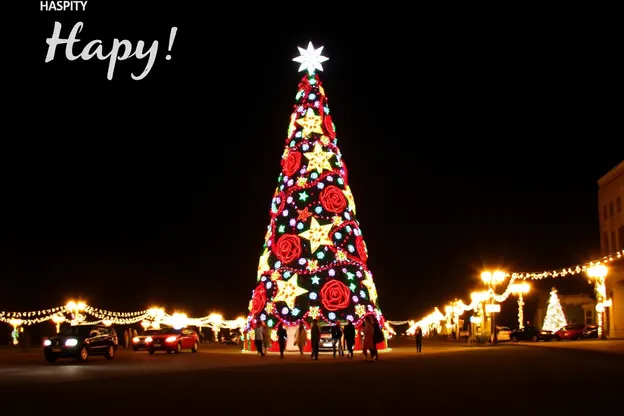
(75, 308)
(145, 324)
(58, 320)
(157, 315)
(214, 322)
(492, 279)
(598, 275)
(520, 289)
(240, 323)
(15, 323)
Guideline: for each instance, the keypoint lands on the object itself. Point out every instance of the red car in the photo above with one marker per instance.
(570, 332)
(172, 340)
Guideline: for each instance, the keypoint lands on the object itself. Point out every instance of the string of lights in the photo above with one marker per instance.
(580, 268)
(456, 308)
(76, 311)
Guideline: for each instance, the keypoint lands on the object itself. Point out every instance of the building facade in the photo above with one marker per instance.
(611, 213)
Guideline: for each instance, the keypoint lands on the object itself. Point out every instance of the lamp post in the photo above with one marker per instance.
(157, 315)
(15, 323)
(215, 321)
(520, 289)
(477, 301)
(58, 320)
(75, 308)
(145, 324)
(598, 274)
(492, 279)
(448, 319)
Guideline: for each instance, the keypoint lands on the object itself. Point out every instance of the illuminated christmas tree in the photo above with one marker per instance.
(313, 263)
(555, 319)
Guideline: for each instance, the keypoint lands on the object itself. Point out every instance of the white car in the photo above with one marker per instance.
(503, 333)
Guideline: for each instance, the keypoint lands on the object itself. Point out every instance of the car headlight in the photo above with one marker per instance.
(171, 339)
(71, 342)
(135, 340)
(148, 339)
(47, 343)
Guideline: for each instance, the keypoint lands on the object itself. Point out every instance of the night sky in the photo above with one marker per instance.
(464, 151)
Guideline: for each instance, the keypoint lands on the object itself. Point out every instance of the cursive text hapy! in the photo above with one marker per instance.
(121, 50)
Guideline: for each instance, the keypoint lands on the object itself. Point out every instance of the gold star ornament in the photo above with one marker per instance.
(318, 159)
(370, 285)
(314, 312)
(288, 290)
(347, 193)
(263, 265)
(311, 123)
(318, 235)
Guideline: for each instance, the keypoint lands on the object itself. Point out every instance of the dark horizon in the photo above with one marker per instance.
(129, 194)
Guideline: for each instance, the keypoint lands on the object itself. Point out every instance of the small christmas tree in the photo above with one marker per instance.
(555, 319)
(313, 264)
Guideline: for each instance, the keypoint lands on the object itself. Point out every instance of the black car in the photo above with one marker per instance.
(531, 333)
(590, 331)
(80, 342)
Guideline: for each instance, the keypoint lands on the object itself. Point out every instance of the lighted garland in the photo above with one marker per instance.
(459, 307)
(76, 314)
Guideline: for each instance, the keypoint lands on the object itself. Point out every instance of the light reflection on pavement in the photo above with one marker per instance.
(17, 367)
(594, 345)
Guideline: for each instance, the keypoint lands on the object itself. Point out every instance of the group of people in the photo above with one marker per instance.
(343, 339)
(262, 339)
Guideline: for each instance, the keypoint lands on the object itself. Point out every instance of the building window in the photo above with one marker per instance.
(589, 315)
(613, 243)
(604, 212)
(621, 233)
(605, 244)
(619, 203)
(611, 211)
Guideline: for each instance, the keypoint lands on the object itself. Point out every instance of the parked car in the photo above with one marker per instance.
(80, 342)
(590, 331)
(531, 333)
(172, 340)
(231, 338)
(326, 343)
(574, 331)
(503, 333)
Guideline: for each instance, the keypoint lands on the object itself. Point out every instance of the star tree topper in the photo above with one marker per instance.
(310, 59)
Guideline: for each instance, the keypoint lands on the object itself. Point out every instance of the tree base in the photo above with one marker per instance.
(250, 345)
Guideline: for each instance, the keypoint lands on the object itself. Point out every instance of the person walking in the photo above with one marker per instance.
(315, 339)
(349, 338)
(368, 343)
(266, 337)
(126, 338)
(282, 335)
(301, 338)
(258, 333)
(336, 334)
(419, 337)
(378, 337)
